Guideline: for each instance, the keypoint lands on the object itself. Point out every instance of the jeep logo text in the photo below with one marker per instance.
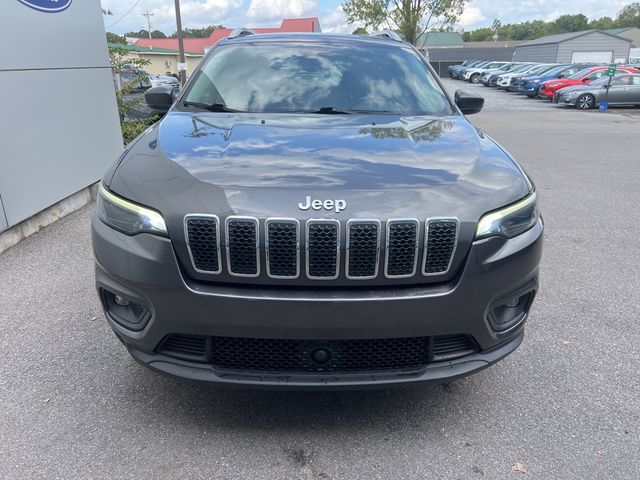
(317, 204)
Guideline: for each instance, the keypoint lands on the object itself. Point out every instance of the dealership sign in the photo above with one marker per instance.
(49, 6)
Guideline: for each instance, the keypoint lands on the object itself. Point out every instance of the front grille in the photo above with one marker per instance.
(363, 244)
(402, 248)
(317, 356)
(320, 258)
(242, 246)
(323, 240)
(441, 239)
(203, 242)
(283, 247)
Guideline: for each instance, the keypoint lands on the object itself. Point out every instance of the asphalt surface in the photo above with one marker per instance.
(564, 406)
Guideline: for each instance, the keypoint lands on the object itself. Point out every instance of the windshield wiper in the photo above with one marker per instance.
(212, 107)
(332, 110)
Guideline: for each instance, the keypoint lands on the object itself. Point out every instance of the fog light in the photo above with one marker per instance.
(510, 312)
(122, 301)
(511, 303)
(127, 313)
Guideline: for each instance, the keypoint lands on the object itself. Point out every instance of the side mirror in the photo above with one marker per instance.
(560, 75)
(160, 98)
(468, 103)
(585, 80)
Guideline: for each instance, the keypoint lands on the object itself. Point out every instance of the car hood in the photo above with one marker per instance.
(260, 164)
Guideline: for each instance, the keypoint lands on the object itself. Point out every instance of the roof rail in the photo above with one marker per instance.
(241, 32)
(390, 34)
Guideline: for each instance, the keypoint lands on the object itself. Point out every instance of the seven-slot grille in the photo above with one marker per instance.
(321, 256)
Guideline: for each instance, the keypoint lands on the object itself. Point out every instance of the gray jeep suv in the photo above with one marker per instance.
(314, 211)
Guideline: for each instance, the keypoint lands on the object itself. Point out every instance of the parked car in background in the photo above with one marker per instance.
(493, 78)
(504, 79)
(514, 84)
(484, 78)
(459, 73)
(623, 90)
(473, 74)
(459, 65)
(530, 84)
(585, 76)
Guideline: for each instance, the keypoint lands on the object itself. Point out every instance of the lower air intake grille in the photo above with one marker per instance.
(189, 347)
(317, 356)
(440, 245)
(448, 347)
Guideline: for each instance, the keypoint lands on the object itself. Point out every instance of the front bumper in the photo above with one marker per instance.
(144, 268)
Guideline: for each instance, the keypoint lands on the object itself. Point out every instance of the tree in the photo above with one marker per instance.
(571, 23)
(204, 32)
(410, 18)
(142, 33)
(114, 38)
(629, 16)
(360, 31)
(602, 23)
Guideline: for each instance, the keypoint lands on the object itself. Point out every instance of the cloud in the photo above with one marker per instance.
(472, 15)
(264, 10)
(336, 22)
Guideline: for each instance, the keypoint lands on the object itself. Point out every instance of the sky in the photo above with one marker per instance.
(127, 14)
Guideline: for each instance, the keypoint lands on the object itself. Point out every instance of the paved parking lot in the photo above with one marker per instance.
(501, 101)
(565, 406)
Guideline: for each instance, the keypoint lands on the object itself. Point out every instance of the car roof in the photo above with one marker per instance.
(314, 37)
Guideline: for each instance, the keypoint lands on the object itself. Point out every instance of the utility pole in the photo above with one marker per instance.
(182, 67)
(148, 15)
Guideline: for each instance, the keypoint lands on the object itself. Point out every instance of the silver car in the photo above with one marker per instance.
(623, 90)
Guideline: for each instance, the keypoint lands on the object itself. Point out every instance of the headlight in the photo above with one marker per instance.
(127, 217)
(510, 221)
(536, 81)
(570, 94)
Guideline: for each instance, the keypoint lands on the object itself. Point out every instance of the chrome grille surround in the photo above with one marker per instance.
(348, 247)
(240, 220)
(428, 222)
(390, 223)
(268, 253)
(407, 249)
(205, 217)
(322, 221)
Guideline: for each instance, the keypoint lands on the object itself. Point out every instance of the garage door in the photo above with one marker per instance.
(591, 57)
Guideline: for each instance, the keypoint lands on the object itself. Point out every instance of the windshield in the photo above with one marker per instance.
(556, 70)
(520, 68)
(580, 74)
(274, 77)
(539, 69)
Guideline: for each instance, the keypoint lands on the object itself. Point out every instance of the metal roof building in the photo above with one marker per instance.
(632, 33)
(588, 46)
(440, 40)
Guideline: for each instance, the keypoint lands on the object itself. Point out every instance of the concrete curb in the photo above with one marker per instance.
(55, 212)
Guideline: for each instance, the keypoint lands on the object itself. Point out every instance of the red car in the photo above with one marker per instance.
(588, 75)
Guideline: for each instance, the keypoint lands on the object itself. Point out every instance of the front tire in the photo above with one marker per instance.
(475, 78)
(585, 102)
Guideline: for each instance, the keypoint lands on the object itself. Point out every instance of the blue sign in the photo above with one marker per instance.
(49, 6)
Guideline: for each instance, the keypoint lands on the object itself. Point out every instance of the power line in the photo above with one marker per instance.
(128, 12)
